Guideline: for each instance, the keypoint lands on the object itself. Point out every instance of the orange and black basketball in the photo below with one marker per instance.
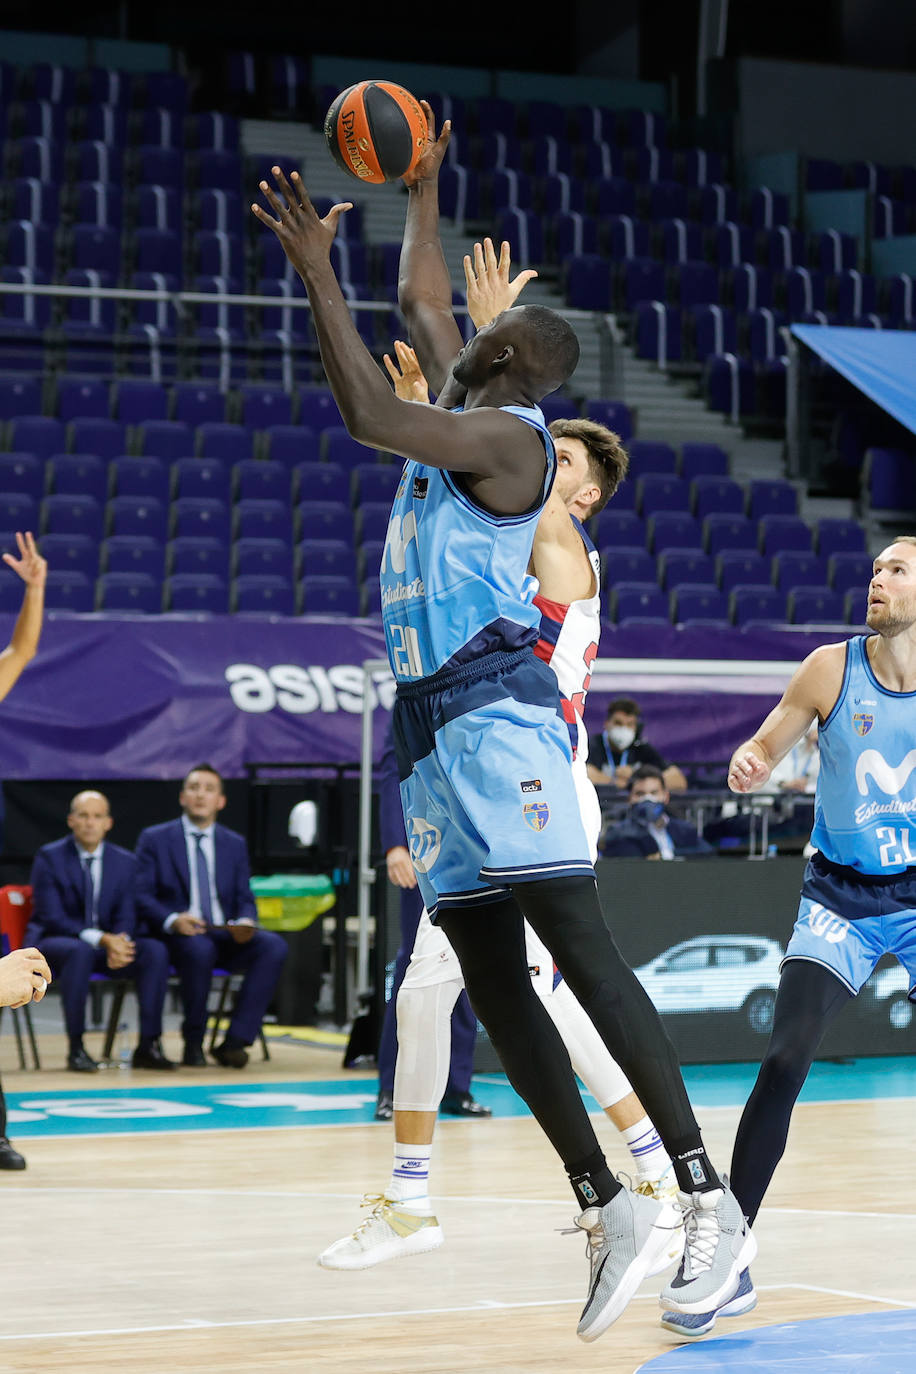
(376, 131)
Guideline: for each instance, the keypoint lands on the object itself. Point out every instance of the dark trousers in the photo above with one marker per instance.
(260, 961)
(73, 961)
(464, 1022)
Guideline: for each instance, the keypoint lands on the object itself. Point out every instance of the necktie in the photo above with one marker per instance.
(89, 890)
(203, 880)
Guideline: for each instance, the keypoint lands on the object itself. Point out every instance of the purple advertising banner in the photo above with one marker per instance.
(146, 697)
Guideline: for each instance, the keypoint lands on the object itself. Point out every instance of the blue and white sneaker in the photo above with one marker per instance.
(691, 1326)
(718, 1247)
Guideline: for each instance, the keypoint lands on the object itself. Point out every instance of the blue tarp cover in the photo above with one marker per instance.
(880, 362)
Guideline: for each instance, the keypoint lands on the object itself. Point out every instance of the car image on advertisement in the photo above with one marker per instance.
(886, 993)
(717, 973)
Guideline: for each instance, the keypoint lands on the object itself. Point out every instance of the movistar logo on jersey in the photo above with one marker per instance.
(399, 534)
(872, 766)
(404, 591)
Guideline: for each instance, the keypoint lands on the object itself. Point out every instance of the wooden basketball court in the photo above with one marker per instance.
(189, 1250)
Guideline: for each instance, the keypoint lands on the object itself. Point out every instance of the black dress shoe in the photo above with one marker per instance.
(230, 1056)
(194, 1057)
(384, 1107)
(9, 1158)
(453, 1105)
(78, 1061)
(150, 1056)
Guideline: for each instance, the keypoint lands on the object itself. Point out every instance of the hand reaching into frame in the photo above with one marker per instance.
(426, 168)
(407, 375)
(489, 289)
(30, 566)
(306, 239)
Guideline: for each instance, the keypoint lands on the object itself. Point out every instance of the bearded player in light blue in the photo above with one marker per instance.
(858, 899)
(483, 750)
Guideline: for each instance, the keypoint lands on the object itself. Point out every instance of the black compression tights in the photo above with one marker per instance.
(566, 914)
(809, 998)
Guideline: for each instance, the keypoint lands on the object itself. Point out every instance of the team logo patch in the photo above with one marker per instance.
(862, 722)
(420, 487)
(425, 843)
(532, 785)
(536, 814)
(697, 1172)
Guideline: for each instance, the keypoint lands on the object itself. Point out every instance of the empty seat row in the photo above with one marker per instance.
(708, 605)
(771, 534)
(841, 572)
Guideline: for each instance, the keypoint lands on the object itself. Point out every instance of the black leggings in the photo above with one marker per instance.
(566, 914)
(809, 998)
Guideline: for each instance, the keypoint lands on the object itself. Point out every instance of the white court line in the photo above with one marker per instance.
(483, 1305)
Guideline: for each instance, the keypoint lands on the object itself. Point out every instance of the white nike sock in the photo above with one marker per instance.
(648, 1152)
(410, 1176)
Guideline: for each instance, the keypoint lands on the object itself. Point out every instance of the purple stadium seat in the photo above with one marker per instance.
(703, 460)
(747, 287)
(216, 169)
(198, 404)
(368, 562)
(330, 596)
(72, 515)
(78, 474)
(716, 494)
(798, 568)
(849, 571)
(22, 474)
(673, 529)
(889, 479)
(321, 482)
(136, 592)
(134, 553)
(157, 250)
(729, 532)
(651, 456)
(136, 401)
(638, 599)
(144, 515)
(264, 593)
(94, 247)
(713, 330)
(261, 556)
(107, 438)
(289, 86)
(742, 567)
(198, 592)
(264, 519)
(192, 555)
(264, 407)
(149, 165)
(33, 200)
(757, 603)
(679, 566)
(698, 601)
(839, 536)
(154, 128)
(615, 415)
(203, 477)
(230, 443)
(338, 447)
(642, 279)
(816, 606)
(588, 283)
(728, 382)
(375, 482)
(661, 492)
(779, 532)
(212, 130)
(327, 558)
(218, 255)
(261, 479)
(166, 439)
(72, 553)
(69, 591)
(77, 398)
(202, 516)
(627, 564)
(158, 207)
(558, 407)
(18, 511)
(658, 331)
(19, 396)
(140, 477)
(325, 520)
(619, 527)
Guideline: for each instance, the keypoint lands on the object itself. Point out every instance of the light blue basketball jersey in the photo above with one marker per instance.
(453, 579)
(865, 808)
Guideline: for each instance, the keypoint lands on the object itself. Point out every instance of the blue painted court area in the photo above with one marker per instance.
(253, 1105)
(873, 1343)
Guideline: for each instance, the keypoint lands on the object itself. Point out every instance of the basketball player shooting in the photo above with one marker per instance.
(483, 749)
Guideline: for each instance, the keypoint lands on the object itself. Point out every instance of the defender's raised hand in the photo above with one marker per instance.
(407, 375)
(305, 237)
(489, 289)
(426, 168)
(30, 565)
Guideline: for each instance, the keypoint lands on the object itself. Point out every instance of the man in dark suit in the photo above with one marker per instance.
(83, 917)
(648, 831)
(194, 893)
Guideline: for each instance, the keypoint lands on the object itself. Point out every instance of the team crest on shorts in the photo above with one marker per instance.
(536, 814)
(862, 722)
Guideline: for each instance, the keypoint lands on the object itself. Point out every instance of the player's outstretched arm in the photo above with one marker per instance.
(424, 284)
(810, 695)
(486, 442)
(23, 645)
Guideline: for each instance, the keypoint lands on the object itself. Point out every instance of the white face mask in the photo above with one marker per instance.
(621, 736)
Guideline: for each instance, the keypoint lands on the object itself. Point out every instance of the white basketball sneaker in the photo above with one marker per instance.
(390, 1231)
(665, 1190)
(718, 1246)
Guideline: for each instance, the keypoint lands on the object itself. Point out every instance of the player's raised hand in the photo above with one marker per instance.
(747, 770)
(489, 289)
(30, 565)
(305, 237)
(426, 168)
(407, 375)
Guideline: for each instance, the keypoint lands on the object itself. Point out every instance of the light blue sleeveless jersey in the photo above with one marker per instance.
(865, 808)
(451, 590)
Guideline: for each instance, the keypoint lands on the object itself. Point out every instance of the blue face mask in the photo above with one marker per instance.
(647, 812)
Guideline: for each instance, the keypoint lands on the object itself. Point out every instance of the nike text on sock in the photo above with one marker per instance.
(644, 1143)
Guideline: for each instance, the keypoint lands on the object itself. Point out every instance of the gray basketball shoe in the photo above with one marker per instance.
(626, 1238)
(718, 1245)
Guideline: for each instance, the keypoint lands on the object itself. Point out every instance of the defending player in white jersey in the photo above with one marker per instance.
(590, 465)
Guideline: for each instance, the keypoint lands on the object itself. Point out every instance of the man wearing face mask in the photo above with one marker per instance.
(648, 831)
(617, 750)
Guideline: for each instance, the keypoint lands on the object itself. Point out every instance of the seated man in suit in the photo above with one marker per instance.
(193, 891)
(648, 831)
(83, 917)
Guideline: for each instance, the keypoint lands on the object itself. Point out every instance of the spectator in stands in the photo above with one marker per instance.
(84, 919)
(649, 832)
(194, 893)
(797, 772)
(618, 749)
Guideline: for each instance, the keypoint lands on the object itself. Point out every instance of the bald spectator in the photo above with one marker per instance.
(83, 918)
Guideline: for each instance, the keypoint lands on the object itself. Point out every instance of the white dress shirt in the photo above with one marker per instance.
(92, 934)
(209, 852)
